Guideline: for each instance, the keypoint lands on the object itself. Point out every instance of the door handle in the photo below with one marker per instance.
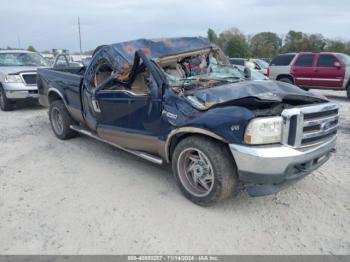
(96, 106)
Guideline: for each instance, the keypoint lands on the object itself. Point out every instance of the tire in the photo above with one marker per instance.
(5, 104)
(348, 91)
(286, 80)
(211, 157)
(61, 120)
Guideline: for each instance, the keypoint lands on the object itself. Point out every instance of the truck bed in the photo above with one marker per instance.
(65, 83)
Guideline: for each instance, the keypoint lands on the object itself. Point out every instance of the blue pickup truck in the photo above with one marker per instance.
(180, 101)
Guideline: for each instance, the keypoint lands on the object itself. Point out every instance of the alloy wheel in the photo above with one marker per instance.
(57, 120)
(195, 172)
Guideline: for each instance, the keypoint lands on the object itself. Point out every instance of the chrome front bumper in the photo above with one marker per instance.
(20, 91)
(277, 164)
(22, 94)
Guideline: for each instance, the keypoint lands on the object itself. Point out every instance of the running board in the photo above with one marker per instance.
(143, 155)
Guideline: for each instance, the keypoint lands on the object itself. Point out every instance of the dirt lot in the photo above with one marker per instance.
(85, 197)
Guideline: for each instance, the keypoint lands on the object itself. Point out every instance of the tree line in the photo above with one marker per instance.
(29, 48)
(268, 44)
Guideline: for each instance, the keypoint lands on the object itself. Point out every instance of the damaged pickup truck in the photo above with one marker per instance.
(180, 101)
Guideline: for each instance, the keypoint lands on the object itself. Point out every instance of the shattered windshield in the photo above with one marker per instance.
(201, 70)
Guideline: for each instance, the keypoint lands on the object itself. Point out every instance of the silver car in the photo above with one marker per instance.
(18, 76)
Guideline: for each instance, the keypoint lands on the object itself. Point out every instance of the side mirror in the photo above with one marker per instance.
(337, 64)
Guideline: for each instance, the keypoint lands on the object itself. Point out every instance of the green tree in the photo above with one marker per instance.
(31, 48)
(298, 41)
(292, 41)
(313, 42)
(347, 48)
(212, 36)
(336, 46)
(265, 44)
(234, 43)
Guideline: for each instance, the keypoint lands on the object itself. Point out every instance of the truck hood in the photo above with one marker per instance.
(272, 91)
(17, 69)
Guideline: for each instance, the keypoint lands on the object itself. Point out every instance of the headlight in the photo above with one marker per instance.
(265, 130)
(13, 79)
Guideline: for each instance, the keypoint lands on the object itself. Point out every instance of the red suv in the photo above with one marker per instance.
(313, 70)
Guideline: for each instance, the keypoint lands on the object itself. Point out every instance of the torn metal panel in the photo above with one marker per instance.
(179, 113)
(121, 55)
(108, 54)
(161, 47)
(263, 90)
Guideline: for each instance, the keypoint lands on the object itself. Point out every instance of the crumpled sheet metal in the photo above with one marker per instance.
(121, 55)
(107, 53)
(161, 47)
(264, 90)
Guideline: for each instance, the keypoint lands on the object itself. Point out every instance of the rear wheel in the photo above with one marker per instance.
(61, 120)
(5, 104)
(204, 170)
(286, 80)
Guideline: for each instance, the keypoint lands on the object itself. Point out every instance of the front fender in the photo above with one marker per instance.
(226, 124)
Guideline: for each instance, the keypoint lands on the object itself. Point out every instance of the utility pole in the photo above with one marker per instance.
(79, 36)
(19, 42)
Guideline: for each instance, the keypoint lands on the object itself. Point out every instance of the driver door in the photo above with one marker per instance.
(128, 113)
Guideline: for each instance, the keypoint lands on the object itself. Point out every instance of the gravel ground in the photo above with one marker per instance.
(85, 197)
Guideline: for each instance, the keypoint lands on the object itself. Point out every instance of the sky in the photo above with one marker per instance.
(48, 24)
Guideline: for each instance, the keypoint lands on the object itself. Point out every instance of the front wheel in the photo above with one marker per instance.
(5, 104)
(204, 170)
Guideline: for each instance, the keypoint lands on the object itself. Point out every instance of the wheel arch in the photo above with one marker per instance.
(179, 134)
(53, 95)
(285, 75)
(346, 87)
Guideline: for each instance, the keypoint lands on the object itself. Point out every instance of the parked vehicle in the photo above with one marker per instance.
(63, 61)
(256, 64)
(18, 76)
(261, 66)
(180, 101)
(242, 62)
(251, 74)
(313, 70)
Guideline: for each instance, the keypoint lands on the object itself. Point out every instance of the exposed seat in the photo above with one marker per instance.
(176, 70)
(139, 86)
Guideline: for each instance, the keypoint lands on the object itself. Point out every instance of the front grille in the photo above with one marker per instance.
(29, 79)
(310, 125)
